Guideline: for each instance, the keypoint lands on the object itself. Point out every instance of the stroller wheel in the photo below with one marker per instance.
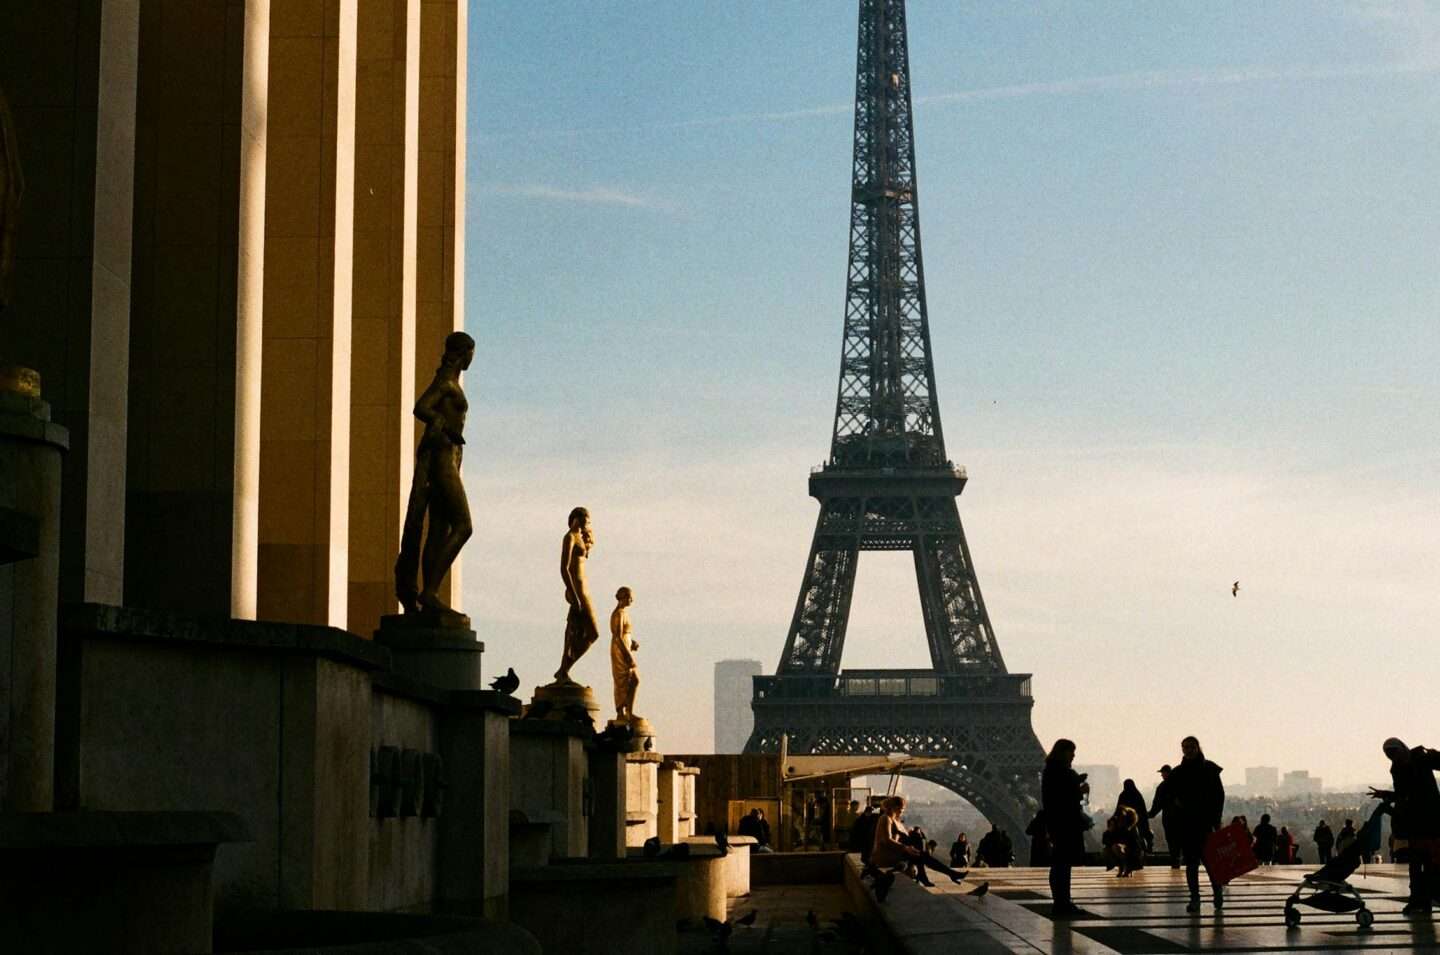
(1365, 918)
(1292, 915)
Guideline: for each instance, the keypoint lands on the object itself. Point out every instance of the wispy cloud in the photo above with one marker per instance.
(1424, 58)
(595, 196)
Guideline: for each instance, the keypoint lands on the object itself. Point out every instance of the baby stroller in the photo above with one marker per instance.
(1327, 888)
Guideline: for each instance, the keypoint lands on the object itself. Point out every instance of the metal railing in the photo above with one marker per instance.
(894, 684)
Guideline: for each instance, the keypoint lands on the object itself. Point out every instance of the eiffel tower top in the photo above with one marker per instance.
(886, 411)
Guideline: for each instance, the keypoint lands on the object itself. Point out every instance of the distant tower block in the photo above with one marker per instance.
(889, 485)
(733, 718)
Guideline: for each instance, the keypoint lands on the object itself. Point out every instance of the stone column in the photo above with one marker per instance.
(668, 804)
(68, 70)
(438, 269)
(382, 335)
(304, 440)
(30, 451)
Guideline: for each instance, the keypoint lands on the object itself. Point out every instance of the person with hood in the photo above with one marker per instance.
(1061, 792)
(1264, 840)
(1415, 816)
(1198, 799)
(1131, 796)
(1160, 806)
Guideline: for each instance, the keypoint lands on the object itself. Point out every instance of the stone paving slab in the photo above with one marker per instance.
(1145, 914)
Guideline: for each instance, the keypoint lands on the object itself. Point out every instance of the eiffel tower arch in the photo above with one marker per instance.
(889, 485)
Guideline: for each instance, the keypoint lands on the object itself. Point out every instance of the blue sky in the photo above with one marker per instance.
(1182, 279)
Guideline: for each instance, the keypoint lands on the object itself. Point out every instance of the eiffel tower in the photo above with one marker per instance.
(888, 485)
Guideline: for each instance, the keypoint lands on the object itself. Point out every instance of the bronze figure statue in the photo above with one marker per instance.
(581, 630)
(623, 667)
(436, 491)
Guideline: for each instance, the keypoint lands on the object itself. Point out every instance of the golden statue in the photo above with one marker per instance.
(581, 630)
(622, 657)
(436, 490)
(12, 188)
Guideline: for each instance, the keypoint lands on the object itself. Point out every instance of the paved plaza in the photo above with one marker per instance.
(1145, 913)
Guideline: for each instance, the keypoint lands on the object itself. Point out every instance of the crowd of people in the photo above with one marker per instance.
(1189, 803)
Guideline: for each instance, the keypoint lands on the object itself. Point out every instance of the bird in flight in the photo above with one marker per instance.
(1235, 589)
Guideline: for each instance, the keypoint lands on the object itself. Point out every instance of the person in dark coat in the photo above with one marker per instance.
(862, 836)
(1198, 799)
(1324, 841)
(960, 852)
(1004, 850)
(1039, 842)
(1132, 797)
(1061, 792)
(1160, 806)
(1415, 816)
(1264, 838)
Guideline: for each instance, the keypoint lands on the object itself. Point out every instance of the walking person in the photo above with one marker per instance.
(1415, 816)
(1199, 799)
(1324, 841)
(1264, 840)
(1131, 796)
(1061, 792)
(1160, 806)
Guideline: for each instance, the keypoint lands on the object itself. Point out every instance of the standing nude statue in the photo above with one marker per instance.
(435, 488)
(581, 630)
(622, 657)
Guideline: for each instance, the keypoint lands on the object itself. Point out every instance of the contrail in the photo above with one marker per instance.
(1116, 82)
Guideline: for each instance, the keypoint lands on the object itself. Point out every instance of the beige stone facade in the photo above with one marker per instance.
(258, 255)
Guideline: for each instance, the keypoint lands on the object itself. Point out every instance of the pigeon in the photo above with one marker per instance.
(651, 847)
(723, 841)
(748, 920)
(811, 920)
(720, 931)
(506, 684)
(538, 710)
(649, 743)
(1235, 589)
(980, 890)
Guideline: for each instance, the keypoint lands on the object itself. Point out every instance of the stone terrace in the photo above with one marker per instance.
(1145, 914)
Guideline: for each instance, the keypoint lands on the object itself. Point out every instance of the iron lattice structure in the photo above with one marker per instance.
(889, 485)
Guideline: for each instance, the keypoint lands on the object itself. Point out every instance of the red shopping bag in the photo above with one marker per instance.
(1228, 854)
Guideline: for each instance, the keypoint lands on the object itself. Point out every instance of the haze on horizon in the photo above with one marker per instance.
(1182, 281)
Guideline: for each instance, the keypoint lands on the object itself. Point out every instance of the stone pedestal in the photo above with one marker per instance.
(689, 776)
(671, 789)
(563, 701)
(549, 775)
(608, 784)
(30, 451)
(474, 862)
(737, 862)
(435, 648)
(111, 881)
(642, 797)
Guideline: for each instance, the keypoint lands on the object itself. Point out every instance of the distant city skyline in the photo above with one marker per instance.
(1180, 264)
